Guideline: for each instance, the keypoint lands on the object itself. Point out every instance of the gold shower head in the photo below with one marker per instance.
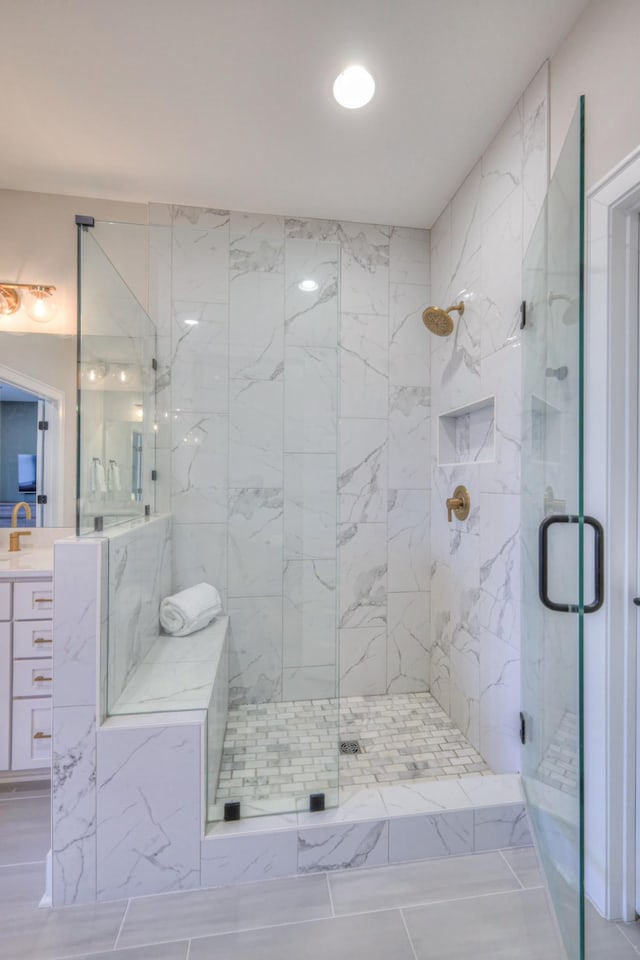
(439, 321)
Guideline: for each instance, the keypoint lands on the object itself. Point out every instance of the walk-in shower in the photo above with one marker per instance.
(279, 385)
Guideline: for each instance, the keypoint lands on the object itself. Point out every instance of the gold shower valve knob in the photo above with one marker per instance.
(459, 503)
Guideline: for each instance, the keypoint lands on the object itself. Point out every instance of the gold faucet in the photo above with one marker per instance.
(14, 537)
(16, 511)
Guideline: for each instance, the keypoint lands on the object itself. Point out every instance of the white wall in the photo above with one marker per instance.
(600, 59)
(38, 245)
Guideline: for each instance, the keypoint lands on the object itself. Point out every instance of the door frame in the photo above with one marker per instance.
(53, 476)
(611, 493)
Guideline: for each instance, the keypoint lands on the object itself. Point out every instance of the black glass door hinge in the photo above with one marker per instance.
(43, 424)
(41, 498)
(523, 729)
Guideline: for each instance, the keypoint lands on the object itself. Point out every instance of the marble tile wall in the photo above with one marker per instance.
(295, 427)
(139, 577)
(477, 247)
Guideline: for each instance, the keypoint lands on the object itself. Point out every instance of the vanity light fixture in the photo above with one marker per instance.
(95, 372)
(190, 322)
(39, 305)
(308, 286)
(354, 87)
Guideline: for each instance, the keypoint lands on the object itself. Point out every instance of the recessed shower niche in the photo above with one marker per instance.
(467, 434)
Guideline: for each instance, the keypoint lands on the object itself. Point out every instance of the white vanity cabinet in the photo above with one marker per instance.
(26, 673)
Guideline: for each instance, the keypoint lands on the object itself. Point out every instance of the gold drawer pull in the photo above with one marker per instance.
(43, 599)
(42, 640)
(42, 736)
(42, 679)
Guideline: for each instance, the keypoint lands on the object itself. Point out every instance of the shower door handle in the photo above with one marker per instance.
(598, 564)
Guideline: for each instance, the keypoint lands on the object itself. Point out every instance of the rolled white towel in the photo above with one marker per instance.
(190, 610)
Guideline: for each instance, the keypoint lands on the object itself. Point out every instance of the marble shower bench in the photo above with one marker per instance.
(178, 673)
(159, 753)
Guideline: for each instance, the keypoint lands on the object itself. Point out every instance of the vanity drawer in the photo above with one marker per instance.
(33, 600)
(32, 678)
(5, 601)
(31, 734)
(32, 638)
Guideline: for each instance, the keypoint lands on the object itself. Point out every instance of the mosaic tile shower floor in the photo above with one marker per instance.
(559, 765)
(275, 751)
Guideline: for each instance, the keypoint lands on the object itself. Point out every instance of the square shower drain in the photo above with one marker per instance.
(350, 746)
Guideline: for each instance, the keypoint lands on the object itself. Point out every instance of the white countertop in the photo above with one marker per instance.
(27, 562)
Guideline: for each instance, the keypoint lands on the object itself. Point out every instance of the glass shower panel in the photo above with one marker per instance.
(116, 395)
(281, 748)
(552, 538)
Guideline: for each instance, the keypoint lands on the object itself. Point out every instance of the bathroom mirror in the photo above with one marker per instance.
(37, 387)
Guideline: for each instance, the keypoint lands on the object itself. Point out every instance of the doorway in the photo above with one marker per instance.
(22, 453)
(611, 467)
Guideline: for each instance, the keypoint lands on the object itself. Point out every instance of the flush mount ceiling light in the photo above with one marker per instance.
(354, 87)
(307, 286)
(40, 304)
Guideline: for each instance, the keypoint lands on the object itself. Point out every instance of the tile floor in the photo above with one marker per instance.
(271, 748)
(490, 906)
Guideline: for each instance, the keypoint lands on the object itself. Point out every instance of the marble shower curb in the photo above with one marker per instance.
(373, 827)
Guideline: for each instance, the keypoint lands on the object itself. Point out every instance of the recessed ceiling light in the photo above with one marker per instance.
(307, 286)
(354, 87)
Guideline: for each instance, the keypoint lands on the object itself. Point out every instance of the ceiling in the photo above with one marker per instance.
(227, 103)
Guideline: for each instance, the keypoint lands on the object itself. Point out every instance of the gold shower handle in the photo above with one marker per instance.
(459, 503)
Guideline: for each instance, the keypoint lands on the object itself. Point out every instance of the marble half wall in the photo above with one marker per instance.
(295, 425)
(139, 575)
(79, 630)
(149, 813)
(477, 248)
(117, 830)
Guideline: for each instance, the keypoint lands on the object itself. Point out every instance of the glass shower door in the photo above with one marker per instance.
(558, 588)
(116, 395)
